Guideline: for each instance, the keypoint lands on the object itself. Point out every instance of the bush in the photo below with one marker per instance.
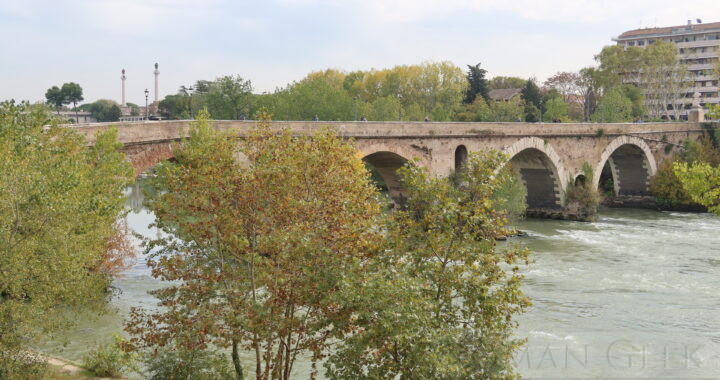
(182, 364)
(667, 188)
(110, 359)
(510, 197)
(22, 365)
(582, 196)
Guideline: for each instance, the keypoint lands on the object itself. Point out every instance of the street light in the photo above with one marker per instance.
(190, 90)
(146, 103)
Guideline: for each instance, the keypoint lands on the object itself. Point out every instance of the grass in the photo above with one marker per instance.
(56, 373)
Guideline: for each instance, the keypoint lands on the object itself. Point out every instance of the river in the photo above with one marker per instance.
(632, 295)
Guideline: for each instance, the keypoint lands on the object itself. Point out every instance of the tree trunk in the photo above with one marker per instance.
(236, 360)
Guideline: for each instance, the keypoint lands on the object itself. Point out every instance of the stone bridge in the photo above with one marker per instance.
(546, 157)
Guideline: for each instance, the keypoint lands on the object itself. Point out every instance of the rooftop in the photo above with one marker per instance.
(504, 93)
(670, 29)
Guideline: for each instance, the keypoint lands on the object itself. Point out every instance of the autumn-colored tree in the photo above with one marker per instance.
(573, 87)
(441, 302)
(262, 236)
(59, 201)
(119, 252)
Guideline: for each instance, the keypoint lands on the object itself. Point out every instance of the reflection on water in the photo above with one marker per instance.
(636, 289)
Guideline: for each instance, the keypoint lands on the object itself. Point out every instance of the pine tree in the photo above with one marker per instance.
(478, 85)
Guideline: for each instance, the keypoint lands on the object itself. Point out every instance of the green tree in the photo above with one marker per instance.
(501, 82)
(635, 94)
(320, 93)
(134, 109)
(614, 107)
(531, 113)
(104, 110)
(385, 109)
(654, 69)
(479, 110)
(531, 95)
(556, 110)
(72, 93)
(714, 111)
(702, 181)
(510, 111)
(667, 188)
(229, 98)
(59, 202)
(477, 84)
(55, 98)
(440, 304)
(175, 107)
(257, 250)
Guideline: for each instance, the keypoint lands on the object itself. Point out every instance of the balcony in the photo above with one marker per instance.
(693, 44)
(701, 66)
(703, 78)
(703, 89)
(713, 100)
(707, 54)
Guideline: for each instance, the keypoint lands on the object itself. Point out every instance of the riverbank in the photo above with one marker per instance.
(61, 369)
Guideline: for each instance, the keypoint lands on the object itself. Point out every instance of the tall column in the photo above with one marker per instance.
(123, 88)
(157, 73)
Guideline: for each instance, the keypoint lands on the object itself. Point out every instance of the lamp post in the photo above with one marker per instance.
(146, 104)
(190, 90)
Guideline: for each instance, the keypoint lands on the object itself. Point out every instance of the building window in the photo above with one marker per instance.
(641, 43)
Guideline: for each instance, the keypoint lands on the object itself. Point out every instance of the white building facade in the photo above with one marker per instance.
(698, 47)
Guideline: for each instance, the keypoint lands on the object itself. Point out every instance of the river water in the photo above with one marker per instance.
(634, 295)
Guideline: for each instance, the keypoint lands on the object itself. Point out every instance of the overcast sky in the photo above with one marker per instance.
(274, 42)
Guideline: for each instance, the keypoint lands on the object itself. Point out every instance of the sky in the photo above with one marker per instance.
(275, 42)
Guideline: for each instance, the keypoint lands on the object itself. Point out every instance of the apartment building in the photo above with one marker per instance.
(698, 47)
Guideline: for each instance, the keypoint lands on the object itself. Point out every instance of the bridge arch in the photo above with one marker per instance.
(540, 169)
(461, 157)
(386, 164)
(144, 157)
(630, 163)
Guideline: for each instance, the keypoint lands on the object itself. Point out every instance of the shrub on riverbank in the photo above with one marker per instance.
(110, 360)
(581, 197)
(666, 186)
(182, 364)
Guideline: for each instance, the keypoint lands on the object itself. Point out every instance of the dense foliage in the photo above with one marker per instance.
(698, 173)
(669, 190)
(702, 182)
(103, 110)
(277, 246)
(614, 107)
(110, 360)
(59, 202)
(440, 303)
(582, 198)
(183, 364)
(258, 250)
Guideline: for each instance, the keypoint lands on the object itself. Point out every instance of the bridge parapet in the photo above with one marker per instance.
(548, 157)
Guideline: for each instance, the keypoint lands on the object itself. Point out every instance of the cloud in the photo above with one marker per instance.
(17, 8)
(138, 17)
(649, 12)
